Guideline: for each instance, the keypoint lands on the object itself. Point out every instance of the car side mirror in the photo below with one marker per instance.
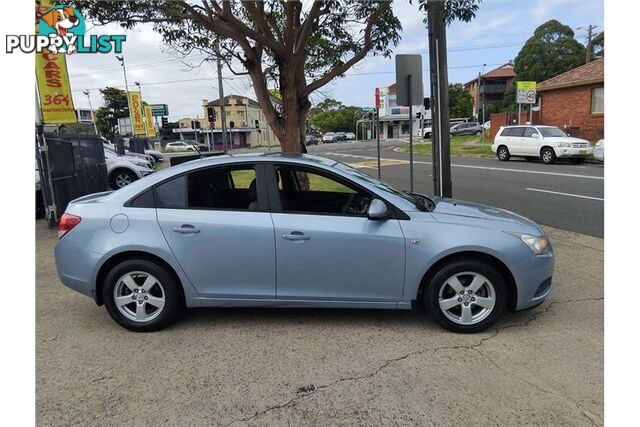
(535, 135)
(377, 210)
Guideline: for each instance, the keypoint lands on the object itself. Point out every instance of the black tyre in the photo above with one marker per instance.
(548, 156)
(121, 178)
(141, 295)
(466, 296)
(503, 153)
(478, 133)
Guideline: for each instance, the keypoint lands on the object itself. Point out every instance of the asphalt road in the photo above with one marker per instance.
(563, 195)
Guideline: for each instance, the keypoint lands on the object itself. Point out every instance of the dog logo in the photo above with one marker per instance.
(64, 23)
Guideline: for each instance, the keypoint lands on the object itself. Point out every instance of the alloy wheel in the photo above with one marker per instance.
(502, 153)
(547, 156)
(123, 179)
(139, 296)
(467, 298)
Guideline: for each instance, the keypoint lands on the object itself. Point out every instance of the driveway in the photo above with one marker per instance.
(285, 366)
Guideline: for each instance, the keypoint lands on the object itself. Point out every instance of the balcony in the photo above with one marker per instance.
(493, 88)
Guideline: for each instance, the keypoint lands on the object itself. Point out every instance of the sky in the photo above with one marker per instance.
(493, 38)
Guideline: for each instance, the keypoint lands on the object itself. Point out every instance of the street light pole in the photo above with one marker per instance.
(126, 86)
(93, 119)
(223, 111)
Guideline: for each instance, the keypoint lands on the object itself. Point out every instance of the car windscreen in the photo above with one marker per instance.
(552, 132)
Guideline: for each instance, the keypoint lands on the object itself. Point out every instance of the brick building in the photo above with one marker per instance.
(493, 85)
(575, 101)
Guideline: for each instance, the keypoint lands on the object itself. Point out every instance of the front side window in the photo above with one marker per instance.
(212, 188)
(597, 100)
(529, 132)
(552, 132)
(307, 191)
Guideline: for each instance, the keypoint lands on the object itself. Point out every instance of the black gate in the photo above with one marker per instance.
(138, 144)
(77, 166)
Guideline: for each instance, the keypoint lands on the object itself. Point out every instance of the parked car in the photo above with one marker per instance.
(146, 156)
(340, 136)
(487, 125)
(139, 160)
(471, 128)
(426, 130)
(180, 146)
(548, 143)
(194, 226)
(123, 170)
(329, 137)
(351, 136)
(157, 155)
(598, 151)
(311, 140)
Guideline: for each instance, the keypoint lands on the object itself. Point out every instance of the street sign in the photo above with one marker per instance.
(526, 92)
(160, 110)
(377, 97)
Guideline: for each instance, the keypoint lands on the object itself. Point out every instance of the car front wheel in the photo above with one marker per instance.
(466, 296)
(548, 156)
(141, 295)
(121, 178)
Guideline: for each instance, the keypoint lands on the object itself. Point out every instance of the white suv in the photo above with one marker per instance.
(545, 142)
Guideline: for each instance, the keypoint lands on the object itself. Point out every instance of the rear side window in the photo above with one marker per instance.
(213, 188)
(506, 132)
(144, 200)
(517, 132)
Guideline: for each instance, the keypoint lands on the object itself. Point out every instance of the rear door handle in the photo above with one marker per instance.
(186, 229)
(296, 235)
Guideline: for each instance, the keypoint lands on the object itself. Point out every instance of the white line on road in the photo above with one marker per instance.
(565, 194)
(491, 168)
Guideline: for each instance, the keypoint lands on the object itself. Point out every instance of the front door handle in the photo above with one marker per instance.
(186, 229)
(296, 235)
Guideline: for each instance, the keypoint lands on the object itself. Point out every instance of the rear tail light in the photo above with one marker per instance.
(66, 224)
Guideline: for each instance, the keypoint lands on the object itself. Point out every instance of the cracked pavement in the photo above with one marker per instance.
(294, 366)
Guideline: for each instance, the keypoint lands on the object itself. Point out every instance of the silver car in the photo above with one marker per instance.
(296, 231)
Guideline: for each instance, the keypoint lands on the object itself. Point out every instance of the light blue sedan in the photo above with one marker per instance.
(279, 230)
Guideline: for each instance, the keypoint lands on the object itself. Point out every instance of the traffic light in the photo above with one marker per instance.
(197, 123)
(427, 103)
(211, 114)
(165, 122)
(418, 115)
(257, 124)
(232, 124)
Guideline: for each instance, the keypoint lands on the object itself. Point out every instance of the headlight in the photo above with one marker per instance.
(564, 144)
(538, 244)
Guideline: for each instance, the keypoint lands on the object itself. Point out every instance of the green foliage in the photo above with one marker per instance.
(462, 10)
(331, 116)
(551, 50)
(460, 101)
(597, 45)
(115, 107)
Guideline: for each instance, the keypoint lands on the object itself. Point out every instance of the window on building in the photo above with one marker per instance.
(597, 100)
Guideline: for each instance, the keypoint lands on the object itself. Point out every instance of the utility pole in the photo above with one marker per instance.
(439, 99)
(93, 119)
(223, 111)
(126, 86)
(589, 29)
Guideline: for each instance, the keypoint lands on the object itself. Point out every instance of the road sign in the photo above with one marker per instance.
(160, 110)
(377, 97)
(526, 92)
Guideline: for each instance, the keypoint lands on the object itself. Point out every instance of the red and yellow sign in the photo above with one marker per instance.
(148, 119)
(53, 87)
(137, 119)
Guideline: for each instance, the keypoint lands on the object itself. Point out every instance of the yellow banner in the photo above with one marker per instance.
(526, 85)
(148, 117)
(53, 85)
(137, 120)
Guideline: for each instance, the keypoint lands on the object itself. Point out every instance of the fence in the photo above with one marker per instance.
(77, 167)
(511, 118)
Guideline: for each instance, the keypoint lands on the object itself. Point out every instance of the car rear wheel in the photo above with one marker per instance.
(141, 295)
(503, 153)
(548, 156)
(121, 178)
(478, 133)
(466, 296)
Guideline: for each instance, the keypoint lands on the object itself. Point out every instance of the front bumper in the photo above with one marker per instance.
(571, 152)
(534, 280)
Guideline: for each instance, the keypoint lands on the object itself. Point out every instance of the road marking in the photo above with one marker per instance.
(371, 164)
(491, 168)
(565, 194)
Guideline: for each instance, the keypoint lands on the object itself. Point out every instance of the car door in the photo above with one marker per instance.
(531, 141)
(217, 223)
(516, 136)
(326, 247)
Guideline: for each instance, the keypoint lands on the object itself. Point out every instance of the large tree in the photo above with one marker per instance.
(332, 115)
(115, 106)
(551, 50)
(287, 45)
(460, 101)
